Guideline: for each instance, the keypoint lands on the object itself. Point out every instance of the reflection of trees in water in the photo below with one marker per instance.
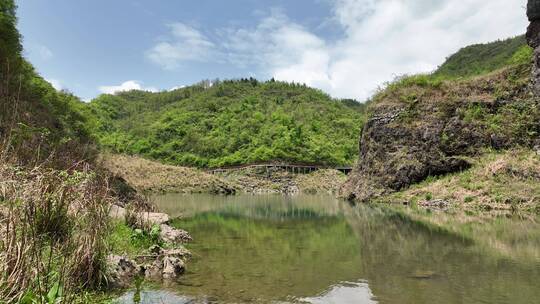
(260, 206)
(242, 259)
(271, 247)
(406, 262)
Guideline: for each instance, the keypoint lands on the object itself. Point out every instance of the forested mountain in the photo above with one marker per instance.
(230, 122)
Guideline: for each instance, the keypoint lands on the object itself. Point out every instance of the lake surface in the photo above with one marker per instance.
(316, 249)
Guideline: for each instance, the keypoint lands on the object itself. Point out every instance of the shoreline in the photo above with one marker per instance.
(152, 177)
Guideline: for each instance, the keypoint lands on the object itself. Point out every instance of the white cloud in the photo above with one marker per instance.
(126, 86)
(39, 52)
(184, 44)
(177, 87)
(44, 52)
(380, 40)
(392, 37)
(55, 83)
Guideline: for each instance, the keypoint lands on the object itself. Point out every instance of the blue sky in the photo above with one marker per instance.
(346, 47)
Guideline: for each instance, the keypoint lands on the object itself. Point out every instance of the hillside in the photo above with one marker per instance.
(153, 177)
(426, 126)
(228, 123)
(35, 119)
(53, 206)
(480, 59)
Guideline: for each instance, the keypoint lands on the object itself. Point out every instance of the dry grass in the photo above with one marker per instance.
(53, 225)
(151, 176)
(506, 83)
(321, 181)
(498, 182)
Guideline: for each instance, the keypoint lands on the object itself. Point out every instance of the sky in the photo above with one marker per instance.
(347, 48)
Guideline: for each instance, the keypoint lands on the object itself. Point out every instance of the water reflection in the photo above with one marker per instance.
(152, 297)
(345, 293)
(254, 206)
(312, 249)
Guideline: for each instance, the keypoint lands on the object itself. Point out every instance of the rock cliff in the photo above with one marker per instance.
(533, 39)
(421, 127)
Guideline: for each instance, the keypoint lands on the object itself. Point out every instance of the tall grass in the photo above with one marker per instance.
(53, 227)
(53, 205)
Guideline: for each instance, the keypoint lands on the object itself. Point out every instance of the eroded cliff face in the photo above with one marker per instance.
(533, 39)
(421, 127)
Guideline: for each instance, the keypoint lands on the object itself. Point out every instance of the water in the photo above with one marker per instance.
(316, 249)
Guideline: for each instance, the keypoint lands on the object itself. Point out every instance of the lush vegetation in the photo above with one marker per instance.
(53, 207)
(470, 61)
(484, 58)
(214, 124)
(35, 119)
(230, 122)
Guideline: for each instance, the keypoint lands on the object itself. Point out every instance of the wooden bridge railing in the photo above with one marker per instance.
(293, 168)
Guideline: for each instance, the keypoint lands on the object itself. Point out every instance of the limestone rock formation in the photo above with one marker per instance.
(168, 264)
(161, 264)
(173, 235)
(155, 218)
(121, 271)
(533, 39)
(418, 130)
(394, 154)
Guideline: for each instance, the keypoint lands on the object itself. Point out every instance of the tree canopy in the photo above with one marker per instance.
(231, 122)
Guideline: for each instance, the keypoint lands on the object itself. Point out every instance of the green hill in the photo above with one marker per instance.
(479, 59)
(230, 122)
(37, 123)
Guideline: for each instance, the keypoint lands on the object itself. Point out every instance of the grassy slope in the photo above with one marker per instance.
(484, 58)
(497, 182)
(150, 176)
(480, 76)
(232, 122)
(37, 123)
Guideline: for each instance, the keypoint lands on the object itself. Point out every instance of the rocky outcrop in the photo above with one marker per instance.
(155, 218)
(161, 264)
(121, 271)
(533, 39)
(167, 264)
(394, 154)
(145, 219)
(417, 131)
(173, 235)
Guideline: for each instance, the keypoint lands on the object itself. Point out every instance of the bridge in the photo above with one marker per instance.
(292, 168)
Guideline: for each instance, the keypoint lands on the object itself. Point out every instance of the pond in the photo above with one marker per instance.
(316, 249)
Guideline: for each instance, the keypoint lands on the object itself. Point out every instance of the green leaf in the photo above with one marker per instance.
(54, 293)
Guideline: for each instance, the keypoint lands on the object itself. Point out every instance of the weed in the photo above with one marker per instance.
(468, 199)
